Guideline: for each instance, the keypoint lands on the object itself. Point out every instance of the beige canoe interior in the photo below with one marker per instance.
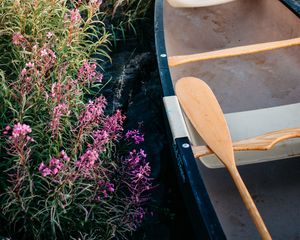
(258, 93)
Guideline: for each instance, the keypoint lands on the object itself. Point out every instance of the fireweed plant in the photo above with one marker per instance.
(68, 169)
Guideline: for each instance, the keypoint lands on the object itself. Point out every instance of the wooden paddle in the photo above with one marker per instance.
(203, 110)
(196, 3)
(231, 52)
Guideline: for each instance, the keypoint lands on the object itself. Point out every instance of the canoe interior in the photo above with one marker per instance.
(274, 187)
(245, 83)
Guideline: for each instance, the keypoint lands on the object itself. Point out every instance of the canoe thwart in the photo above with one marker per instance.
(260, 143)
(196, 3)
(231, 52)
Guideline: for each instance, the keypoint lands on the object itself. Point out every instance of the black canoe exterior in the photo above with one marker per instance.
(201, 212)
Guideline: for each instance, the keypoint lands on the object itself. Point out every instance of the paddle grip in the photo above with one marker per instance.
(250, 205)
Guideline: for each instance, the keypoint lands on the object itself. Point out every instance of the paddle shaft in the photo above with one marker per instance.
(203, 110)
(249, 203)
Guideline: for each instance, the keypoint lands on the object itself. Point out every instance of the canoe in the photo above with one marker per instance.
(260, 96)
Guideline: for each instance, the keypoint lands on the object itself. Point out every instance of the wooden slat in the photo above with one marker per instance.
(231, 52)
(196, 3)
(259, 143)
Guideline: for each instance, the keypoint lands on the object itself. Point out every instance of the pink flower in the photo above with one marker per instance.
(42, 166)
(58, 111)
(87, 73)
(19, 141)
(64, 156)
(23, 72)
(136, 157)
(87, 160)
(30, 65)
(35, 47)
(46, 172)
(54, 167)
(114, 124)
(93, 112)
(20, 129)
(55, 89)
(101, 137)
(75, 16)
(44, 52)
(49, 34)
(18, 39)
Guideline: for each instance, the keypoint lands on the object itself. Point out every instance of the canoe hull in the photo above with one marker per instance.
(214, 205)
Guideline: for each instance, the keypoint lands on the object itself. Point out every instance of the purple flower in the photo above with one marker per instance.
(141, 173)
(105, 188)
(136, 157)
(139, 214)
(138, 172)
(136, 135)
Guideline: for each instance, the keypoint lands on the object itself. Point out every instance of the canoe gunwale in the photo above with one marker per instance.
(203, 217)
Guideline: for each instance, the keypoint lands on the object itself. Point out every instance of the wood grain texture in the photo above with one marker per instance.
(203, 110)
(231, 52)
(196, 3)
(260, 143)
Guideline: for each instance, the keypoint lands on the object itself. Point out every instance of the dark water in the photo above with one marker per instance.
(135, 88)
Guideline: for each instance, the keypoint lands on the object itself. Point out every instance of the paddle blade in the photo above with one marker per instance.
(203, 110)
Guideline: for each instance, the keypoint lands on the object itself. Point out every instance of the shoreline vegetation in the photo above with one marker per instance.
(69, 169)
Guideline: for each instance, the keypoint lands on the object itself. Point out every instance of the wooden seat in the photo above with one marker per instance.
(273, 124)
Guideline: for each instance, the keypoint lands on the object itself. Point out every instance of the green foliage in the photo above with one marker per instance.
(122, 15)
(63, 177)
